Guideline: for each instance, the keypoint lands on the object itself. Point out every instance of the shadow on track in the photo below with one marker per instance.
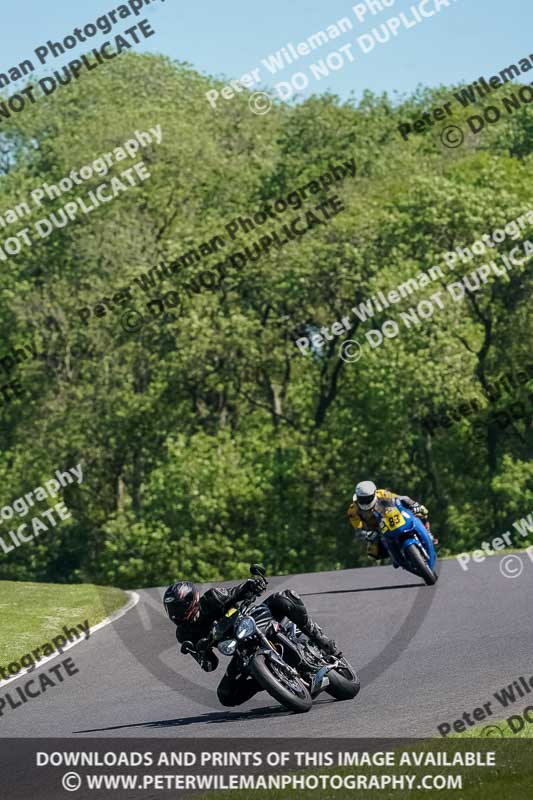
(368, 589)
(210, 717)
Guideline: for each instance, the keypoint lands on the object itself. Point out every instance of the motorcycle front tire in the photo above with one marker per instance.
(300, 702)
(420, 567)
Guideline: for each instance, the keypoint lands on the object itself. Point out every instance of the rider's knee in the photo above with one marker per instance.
(288, 603)
(292, 596)
(226, 698)
(227, 701)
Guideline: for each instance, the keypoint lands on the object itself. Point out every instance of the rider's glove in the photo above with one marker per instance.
(209, 661)
(383, 528)
(419, 510)
(206, 658)
(254, 586)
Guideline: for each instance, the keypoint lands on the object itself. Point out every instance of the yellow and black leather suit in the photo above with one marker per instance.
(370, 520)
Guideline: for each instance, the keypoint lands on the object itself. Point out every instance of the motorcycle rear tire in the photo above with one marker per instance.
(420, 567)
(260, 669)
(342, 687)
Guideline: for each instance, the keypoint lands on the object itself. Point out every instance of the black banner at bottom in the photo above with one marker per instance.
(362, 769)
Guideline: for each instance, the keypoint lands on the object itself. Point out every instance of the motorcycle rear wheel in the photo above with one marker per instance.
(285, 688)
(344, 683)
(420, 567)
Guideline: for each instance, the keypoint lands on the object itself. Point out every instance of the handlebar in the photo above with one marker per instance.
(243, 606)
(259, 572)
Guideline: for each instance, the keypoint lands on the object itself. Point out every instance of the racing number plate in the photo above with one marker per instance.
(394, 519)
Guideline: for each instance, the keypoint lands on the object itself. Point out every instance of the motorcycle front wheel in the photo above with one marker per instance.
(277, 679)
(419, 565)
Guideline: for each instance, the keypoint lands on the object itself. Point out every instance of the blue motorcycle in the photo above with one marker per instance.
(408, 543)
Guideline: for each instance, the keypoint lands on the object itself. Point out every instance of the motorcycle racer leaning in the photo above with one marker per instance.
(194, 616)
(366, 513)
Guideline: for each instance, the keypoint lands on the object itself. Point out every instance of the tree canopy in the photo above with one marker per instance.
(208, 439)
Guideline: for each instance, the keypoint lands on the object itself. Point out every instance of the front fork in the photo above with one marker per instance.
(267, 649)
(316, 683)
(394, 550)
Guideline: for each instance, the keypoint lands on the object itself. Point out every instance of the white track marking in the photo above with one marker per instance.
(132, 602)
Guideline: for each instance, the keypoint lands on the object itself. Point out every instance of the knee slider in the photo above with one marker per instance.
(225, 697)
(225, 700)
(290, 594)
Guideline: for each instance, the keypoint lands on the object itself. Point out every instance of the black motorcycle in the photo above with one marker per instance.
(280, 657)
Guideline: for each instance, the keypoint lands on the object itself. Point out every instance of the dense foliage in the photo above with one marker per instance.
(209, 440)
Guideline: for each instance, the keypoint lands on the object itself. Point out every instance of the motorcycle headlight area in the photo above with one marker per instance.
(245, 628)
(227, 647)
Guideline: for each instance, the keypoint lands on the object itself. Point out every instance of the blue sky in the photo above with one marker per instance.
(462, 42)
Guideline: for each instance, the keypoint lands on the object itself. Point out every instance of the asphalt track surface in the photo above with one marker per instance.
(425, 655)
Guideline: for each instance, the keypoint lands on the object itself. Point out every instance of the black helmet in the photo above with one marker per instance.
(181, 601)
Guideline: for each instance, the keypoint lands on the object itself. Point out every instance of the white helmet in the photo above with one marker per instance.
(365, 495)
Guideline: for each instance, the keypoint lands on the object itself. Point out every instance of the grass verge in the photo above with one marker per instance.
(509, 779)
(32, 613)
(497, 730)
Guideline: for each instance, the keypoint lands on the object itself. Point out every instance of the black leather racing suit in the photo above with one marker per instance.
(234, 687)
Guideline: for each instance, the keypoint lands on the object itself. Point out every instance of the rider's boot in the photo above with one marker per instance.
(316, 636)
(289, 604)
